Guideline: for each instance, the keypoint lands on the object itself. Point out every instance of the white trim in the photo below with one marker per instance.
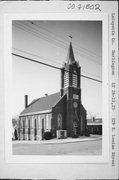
(34, 113)
(9, 157)
(94, 124)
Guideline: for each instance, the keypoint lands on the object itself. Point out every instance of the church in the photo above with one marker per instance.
(62, 111)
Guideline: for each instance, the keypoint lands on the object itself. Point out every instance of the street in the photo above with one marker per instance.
(74, 148)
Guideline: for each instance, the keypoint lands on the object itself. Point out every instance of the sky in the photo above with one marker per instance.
(48, 42)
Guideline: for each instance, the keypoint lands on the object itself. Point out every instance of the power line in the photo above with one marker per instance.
(22, 51)
(60, 43)
(49, 39)
(35, 55)
(33, 31)
(89, 53)
(57, 35)
(39, 62)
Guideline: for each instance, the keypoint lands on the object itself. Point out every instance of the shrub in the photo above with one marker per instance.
(87, 132)
(47, 135)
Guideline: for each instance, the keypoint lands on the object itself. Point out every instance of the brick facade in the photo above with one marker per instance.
(59, 111)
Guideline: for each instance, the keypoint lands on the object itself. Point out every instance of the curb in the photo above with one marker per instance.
(55, 142)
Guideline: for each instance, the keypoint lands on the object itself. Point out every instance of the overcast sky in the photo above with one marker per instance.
(49, 40)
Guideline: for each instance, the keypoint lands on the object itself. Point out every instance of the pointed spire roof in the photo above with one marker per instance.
(70, 56)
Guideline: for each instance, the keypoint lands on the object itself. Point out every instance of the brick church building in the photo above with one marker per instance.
(59, 111)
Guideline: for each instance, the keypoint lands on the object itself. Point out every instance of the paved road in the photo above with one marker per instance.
(74, 148)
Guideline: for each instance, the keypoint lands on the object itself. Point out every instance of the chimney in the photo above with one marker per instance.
(26, 101)
(46, 95)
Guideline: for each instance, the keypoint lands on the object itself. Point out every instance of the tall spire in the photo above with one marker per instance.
(70, 56)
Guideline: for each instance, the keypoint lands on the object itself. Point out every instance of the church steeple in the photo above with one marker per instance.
(71, 88)
(70, 73)
(70, 56)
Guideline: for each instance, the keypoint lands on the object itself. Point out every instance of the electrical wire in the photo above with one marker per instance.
(57, 35)
(82, 49)
(33, 60)
(51, 41)
(41, 37)
(36, 56)
(23, 27)
(48, 60)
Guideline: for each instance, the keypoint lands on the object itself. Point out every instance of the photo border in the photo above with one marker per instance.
(104, 158)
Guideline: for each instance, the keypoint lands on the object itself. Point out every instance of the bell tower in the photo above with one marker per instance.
(70, 85)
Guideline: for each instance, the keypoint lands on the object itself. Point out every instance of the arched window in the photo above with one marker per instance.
(74, 79)
(59, 120)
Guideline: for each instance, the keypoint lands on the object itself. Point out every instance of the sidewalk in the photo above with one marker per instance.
(62, 141)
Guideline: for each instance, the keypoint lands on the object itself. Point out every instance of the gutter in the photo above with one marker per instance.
(36, 113)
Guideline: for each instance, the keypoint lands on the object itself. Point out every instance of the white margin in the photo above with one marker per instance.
(104, 158)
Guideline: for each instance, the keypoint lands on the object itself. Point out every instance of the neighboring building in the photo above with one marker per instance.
(59, 111)
(94, 126)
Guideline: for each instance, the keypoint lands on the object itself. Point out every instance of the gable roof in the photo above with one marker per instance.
(42, 104)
